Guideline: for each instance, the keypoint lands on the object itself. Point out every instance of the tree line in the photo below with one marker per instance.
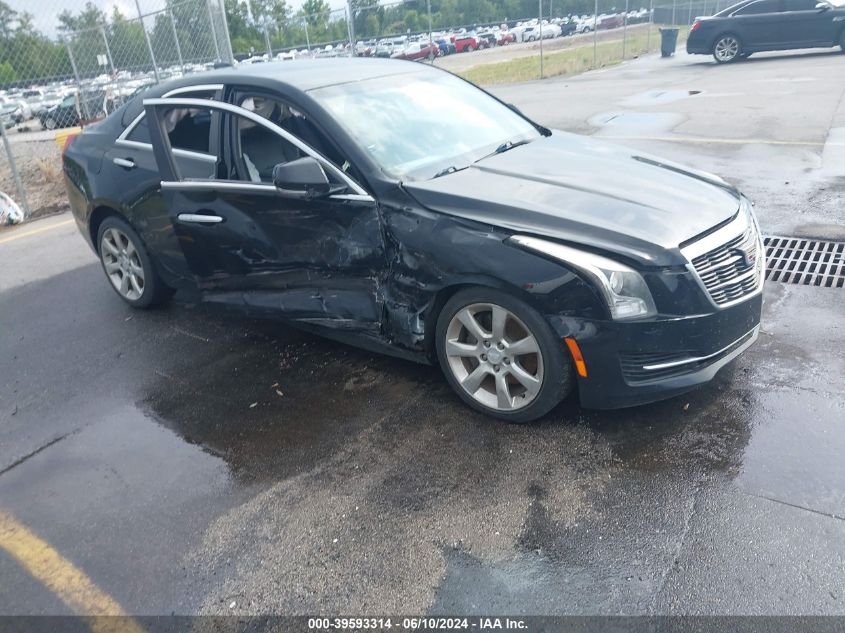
(26, 54)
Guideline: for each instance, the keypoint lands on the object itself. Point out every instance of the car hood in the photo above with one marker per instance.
(577, 189)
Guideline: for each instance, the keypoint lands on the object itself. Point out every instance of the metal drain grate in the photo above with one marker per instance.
(798, 260)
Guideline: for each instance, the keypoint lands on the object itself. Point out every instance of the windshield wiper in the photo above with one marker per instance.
(504, 147)
(451, 169)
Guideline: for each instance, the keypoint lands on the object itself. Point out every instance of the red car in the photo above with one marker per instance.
(465, 43)
(418, 50)
(505, 38)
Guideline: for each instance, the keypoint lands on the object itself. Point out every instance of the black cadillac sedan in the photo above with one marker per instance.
(768, 25)
(397, 207)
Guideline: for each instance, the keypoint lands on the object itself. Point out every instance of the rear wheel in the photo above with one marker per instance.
(726, 49)
(469, 48)
(50, 123)
(128, 265)
(501, 356)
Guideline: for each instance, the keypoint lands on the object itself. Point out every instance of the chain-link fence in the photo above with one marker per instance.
(63, 65)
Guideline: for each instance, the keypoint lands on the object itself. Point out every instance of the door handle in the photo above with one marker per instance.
(126, 163)
(199, 218)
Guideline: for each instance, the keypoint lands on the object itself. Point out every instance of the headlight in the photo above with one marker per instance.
(624, 290)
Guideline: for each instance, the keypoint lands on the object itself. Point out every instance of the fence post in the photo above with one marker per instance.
(674, 7)
(428, 8)
(108, 50)
(595, 31)
(625, 31)
(650, 25)
(267, 39)
(176, 40)
(15, 175)
(82, 102)
(230, 54)
(350, 16)
(213, 32)
(147, 39)
(307, 39)
(540, 25)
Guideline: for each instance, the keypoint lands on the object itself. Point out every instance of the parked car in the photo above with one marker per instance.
(65, 114)
(585, 26)
(767, 25)
(613, 21)
(403, 209)
(567, 27)
(447, 46)
(546, 31)
(505, 38)
(7, 116)
(16, 108)
(465, 42)
(418, 50)
(486, 40)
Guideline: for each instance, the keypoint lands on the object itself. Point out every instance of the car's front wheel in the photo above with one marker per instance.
(128, 265)
(501, 356)
(726, 49)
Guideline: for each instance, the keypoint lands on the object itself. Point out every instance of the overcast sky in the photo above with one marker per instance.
(45, 11)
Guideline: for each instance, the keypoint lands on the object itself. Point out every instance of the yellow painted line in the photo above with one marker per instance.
(64, 579)
(19, 234)
(715, 141)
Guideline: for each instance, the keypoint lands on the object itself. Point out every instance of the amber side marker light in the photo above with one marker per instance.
(580, 365)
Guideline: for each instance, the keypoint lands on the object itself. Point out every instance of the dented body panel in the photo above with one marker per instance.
(375, 269)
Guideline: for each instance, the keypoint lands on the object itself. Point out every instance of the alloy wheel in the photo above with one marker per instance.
(494, 357)
(122, 263)
(726, 49)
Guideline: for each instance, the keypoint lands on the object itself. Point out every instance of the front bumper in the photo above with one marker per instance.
(638, 362)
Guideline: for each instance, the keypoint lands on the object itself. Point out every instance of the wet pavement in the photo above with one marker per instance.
(190, 460)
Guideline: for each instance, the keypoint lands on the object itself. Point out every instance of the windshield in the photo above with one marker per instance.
(417, 125)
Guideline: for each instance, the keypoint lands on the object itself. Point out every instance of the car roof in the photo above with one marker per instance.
(294, 75)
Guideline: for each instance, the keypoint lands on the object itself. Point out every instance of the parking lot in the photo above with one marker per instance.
(189, 461)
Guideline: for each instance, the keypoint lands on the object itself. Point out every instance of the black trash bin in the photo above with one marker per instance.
(668, 42)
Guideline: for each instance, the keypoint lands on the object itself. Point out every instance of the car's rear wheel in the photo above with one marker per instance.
(50, 123)
(501, 356)
(469, 48)
(727, 48)
(128, 265)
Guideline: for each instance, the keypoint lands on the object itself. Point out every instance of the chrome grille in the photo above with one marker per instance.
(731, 271)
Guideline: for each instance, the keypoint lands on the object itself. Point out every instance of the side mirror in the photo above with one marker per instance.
(823, 6)
(301, 178)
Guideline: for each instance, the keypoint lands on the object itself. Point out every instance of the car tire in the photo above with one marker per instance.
(468, 48)
(727, 48)
(842, 40)
(49, 123)
(128, 265)
(512, 386)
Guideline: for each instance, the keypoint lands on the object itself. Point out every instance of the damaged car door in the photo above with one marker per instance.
(276, 227)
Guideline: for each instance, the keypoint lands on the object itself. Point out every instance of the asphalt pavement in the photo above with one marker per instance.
(188, 460)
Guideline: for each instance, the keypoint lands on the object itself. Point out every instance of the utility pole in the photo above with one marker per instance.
(595, 31)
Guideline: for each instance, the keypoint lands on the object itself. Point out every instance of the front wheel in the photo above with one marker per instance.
(128, 265)
(501, 356)
(469, 49)
(726, 49)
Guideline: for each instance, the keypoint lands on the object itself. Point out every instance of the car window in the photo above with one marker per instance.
(800, 5)
(68, 101)
(141, 132)
(265, 146)
(259, 149)
(761, 6)
(189, 129)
